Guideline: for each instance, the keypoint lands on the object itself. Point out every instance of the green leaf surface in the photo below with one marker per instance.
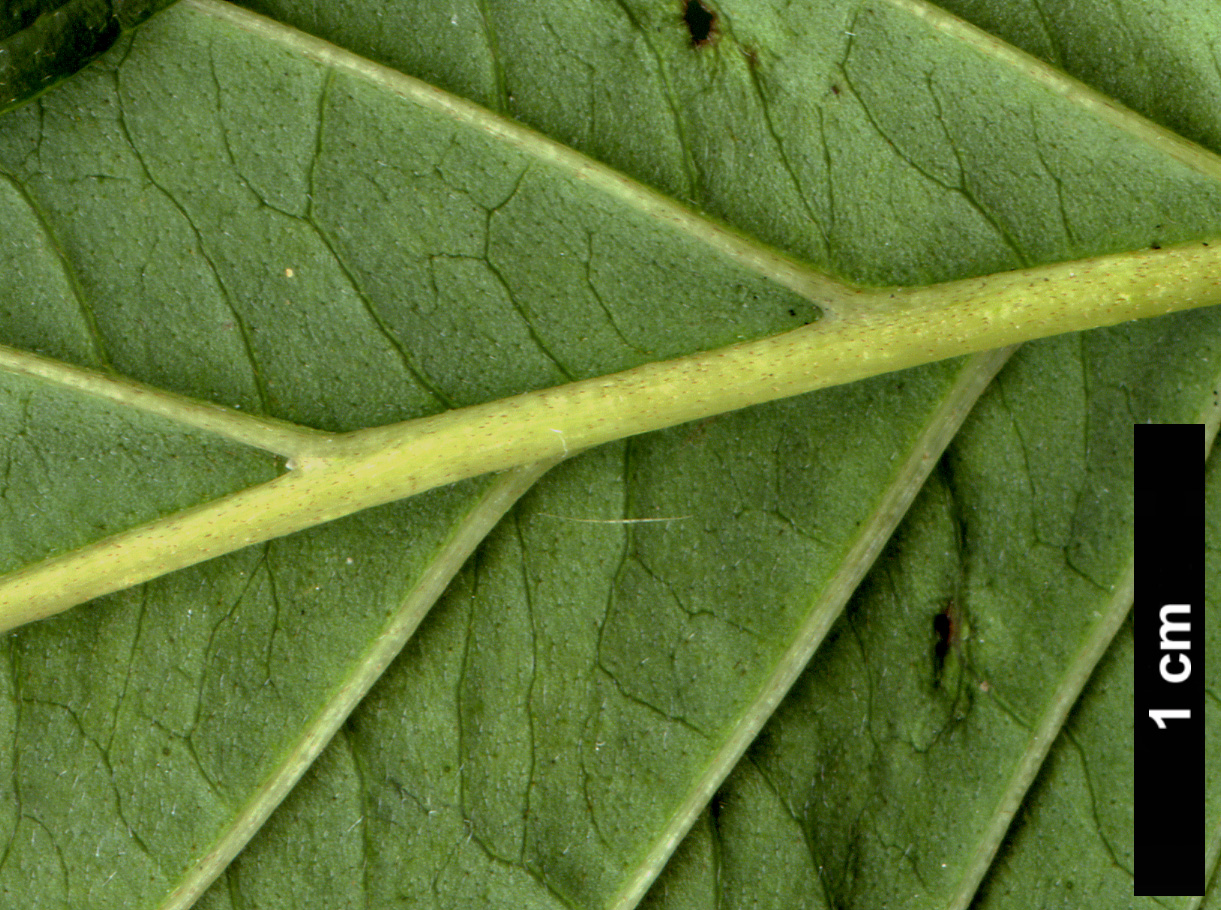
(228, 213)
(45, 41)
(887, 778)
(1155, 58)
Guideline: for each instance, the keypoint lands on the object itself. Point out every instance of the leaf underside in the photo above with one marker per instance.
(43, 42)
(217, 213)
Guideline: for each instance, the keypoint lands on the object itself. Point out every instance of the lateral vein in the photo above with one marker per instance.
(276, 436)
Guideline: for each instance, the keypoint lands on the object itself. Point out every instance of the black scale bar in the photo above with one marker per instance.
(1169, 683)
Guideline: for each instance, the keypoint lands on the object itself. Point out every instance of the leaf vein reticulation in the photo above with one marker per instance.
(92, 331)
(864, 332)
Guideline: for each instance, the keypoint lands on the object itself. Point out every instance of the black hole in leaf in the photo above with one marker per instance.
(943, 635)
(943, 627)
(700, 21)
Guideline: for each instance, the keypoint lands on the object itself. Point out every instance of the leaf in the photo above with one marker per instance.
(866, 332)
(794, 482)
(44, 41)
(879, 783)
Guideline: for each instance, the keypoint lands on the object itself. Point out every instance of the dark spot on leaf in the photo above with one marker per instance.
(943, 628)
(1155, 246)
(806, 312)
(701, 22)
(752, 57)
(947, 632)
(834, 89)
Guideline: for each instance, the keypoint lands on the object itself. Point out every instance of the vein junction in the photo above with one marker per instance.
(337, 475)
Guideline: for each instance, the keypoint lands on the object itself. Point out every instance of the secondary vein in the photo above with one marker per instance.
(276, 436)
